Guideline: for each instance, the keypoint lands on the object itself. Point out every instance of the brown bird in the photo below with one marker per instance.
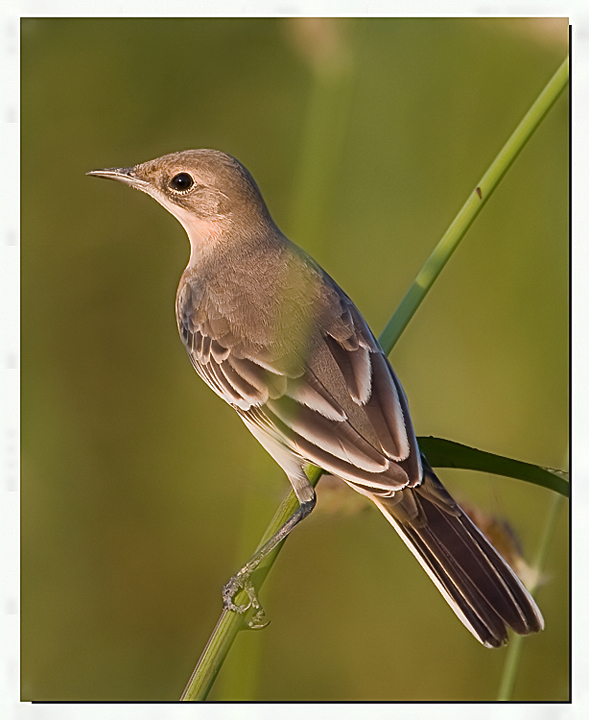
(273, 335)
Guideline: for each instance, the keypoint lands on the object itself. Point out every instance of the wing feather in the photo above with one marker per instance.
(335, 402)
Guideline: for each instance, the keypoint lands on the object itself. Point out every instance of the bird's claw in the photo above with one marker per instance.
(232, 588)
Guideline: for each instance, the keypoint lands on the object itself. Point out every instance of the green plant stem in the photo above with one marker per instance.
(230, 623)
(327, 118)
(513, 656)
(472, 208)
(445, 453)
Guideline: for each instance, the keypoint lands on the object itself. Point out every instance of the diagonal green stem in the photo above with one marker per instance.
(230, 623)
(472, 207)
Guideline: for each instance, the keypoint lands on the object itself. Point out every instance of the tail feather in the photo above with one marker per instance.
(477, 583)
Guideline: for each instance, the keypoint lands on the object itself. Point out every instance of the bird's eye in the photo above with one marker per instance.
(181, 182)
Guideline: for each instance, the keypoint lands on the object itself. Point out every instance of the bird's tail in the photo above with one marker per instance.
(478, 584)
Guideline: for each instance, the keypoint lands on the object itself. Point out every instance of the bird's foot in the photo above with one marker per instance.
(241, 581)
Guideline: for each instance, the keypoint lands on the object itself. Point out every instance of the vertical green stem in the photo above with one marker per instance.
(514, 650)
(323, 139)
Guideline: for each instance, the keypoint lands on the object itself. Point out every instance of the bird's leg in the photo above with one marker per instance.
(241, 579)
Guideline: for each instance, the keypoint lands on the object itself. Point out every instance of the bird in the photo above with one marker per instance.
(272, 334)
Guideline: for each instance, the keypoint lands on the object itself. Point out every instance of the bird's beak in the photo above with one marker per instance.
(126, 175)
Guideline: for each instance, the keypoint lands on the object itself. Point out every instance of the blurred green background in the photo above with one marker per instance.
(141, 491)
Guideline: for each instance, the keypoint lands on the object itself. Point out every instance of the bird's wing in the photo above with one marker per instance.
(336, 404)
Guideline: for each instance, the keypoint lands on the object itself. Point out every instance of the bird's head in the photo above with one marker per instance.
(211, 193)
